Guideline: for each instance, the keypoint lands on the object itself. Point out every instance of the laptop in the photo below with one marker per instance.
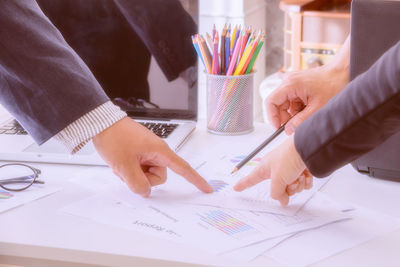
(373, 31)
(171, 114)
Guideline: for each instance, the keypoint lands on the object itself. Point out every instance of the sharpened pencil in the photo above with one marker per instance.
(259, 148)
(222, 46)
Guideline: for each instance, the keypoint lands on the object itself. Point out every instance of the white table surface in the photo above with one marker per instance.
(38, 234)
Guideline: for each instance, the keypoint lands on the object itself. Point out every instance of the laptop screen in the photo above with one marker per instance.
(140, 51)
(168, 79)
(176, 99)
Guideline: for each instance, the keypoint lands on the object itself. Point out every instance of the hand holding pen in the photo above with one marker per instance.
(283, 166)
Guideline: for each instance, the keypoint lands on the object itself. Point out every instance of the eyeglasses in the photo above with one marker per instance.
(18, 177)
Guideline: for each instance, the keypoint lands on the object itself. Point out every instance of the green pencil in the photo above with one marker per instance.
(254, 58)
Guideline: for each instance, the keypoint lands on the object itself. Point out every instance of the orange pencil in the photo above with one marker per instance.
(253, 48)
(205, 53)
(215, 66)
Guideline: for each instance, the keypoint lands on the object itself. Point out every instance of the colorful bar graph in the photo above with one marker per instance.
(224, 222)
(217, 185)
(5, 194)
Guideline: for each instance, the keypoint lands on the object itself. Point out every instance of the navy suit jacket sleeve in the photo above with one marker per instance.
(361, 117)
(43, 83)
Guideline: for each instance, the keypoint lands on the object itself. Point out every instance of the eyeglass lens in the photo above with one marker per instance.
(16, 177)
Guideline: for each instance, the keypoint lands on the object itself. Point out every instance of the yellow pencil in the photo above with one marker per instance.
(233, 36)
(243, 59)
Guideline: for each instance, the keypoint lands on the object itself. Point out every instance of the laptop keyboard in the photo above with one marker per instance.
(162, 130)
(12, 127)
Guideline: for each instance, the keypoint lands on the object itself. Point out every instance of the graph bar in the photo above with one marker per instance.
(224, 222)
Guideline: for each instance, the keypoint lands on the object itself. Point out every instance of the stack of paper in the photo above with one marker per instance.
(10, 200)
(241, 226)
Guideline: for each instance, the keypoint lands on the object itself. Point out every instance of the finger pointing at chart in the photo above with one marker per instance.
(283, 166)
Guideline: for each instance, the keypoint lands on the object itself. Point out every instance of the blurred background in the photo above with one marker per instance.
(300, 34)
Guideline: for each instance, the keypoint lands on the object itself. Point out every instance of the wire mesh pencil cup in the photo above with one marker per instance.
(230, 104)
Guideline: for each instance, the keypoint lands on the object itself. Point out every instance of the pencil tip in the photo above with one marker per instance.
(234, 170)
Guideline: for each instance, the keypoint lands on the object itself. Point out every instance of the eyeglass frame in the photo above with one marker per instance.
(36, 172)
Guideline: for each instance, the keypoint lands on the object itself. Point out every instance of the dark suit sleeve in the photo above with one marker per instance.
(360, 118)
(165, 28)
(43, 82)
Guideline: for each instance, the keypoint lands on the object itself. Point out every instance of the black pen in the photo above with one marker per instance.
(258, 149)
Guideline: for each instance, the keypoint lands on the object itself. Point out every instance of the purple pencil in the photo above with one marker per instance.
(236, 38)
(227, 46)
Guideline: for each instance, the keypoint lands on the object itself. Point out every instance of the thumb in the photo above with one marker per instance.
(278, 190)
(297, 119)
(137, 180)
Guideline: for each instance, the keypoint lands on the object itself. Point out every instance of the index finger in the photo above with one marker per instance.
(181, 167)
(257, 176)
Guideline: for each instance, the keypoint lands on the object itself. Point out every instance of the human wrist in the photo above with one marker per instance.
(298, 162)
(81, 131)
(106, 133)
(338, 76)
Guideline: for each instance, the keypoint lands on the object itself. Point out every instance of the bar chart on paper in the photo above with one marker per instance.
(224, 222)
(256, 198)
(227, 223)
(5, 194)
(217, 185)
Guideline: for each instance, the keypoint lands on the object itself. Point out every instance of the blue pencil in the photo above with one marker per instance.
(196, 47)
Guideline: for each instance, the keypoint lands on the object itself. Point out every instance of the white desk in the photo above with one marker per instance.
(37, 234)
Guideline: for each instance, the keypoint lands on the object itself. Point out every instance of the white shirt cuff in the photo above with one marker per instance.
(81, 131)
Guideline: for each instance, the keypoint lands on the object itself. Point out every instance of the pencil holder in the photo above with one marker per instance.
(230, 104)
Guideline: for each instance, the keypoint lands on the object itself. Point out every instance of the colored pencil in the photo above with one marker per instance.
(215, 69)
(244, 41)
(214, 31)
(232, 62)
(209, 42)
(227, 50)
(254, 46)
(205, 53)
(223, 37)
(255, 55)
(196, 47)
(243, 60)
(233, 36)
(237, 35)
